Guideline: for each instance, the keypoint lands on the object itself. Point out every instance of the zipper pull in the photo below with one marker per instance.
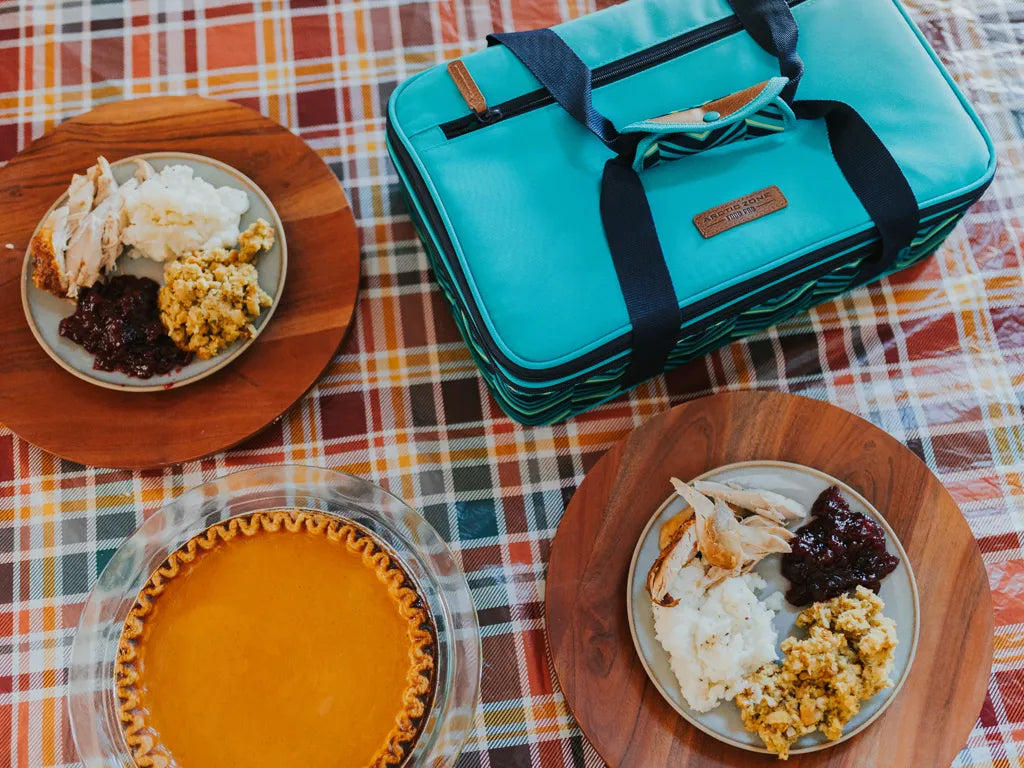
(471, 92)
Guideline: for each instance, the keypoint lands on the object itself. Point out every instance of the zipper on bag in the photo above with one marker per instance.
(609, 73)
(471, 92)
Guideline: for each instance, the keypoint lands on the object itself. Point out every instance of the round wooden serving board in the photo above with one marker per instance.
(76, 420)
(619, 709)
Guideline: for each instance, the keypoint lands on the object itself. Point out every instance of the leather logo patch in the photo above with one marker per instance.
(724, 217)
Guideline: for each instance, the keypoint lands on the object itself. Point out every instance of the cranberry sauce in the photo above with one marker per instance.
(119, 322)
(837, 550)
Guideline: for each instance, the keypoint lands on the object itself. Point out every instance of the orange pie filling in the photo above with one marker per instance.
(279, 639)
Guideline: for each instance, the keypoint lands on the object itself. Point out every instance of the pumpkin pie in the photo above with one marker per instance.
(282, 638)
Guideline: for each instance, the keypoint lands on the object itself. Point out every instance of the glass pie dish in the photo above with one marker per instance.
(442, 586)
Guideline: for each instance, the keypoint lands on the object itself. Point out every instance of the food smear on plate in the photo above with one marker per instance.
(210, 297)
(175, 212)
(118, 321)
(846, 659)
(715, 637)
(836, 551)
(707, 614)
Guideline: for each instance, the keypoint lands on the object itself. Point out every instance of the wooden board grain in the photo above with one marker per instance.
(76, 420)
(605, 686)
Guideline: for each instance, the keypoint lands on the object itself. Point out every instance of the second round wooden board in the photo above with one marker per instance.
(84, 423)
(619, 709)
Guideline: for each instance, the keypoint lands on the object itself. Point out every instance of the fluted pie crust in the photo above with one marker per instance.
(142, 740)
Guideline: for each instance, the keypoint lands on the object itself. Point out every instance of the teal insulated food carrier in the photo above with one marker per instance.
(615, 196)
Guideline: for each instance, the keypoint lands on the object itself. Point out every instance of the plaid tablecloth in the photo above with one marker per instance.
(935, 355)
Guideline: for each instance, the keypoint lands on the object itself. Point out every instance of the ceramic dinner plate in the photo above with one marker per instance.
(899, 592)
(44, 311)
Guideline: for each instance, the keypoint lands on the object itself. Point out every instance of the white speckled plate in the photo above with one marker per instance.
(44, 311)
(899, 591)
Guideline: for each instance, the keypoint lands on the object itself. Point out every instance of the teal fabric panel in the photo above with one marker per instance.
(868, 54)
(555, 401)
(430, 97)
(520, 197)
(561, 261)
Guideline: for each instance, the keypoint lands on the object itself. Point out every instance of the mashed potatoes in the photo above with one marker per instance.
(716, 638)
(174, 212)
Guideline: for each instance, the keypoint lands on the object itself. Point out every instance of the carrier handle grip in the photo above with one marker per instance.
(865, 162)
(771, 24)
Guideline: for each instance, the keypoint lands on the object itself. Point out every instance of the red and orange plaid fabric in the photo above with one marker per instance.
(934, 355)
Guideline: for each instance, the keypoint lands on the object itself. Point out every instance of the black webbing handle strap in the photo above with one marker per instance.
(771, 24)
(873, 175)
(866, 164)
(557, 67)
(641, 268)
(625, 214)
